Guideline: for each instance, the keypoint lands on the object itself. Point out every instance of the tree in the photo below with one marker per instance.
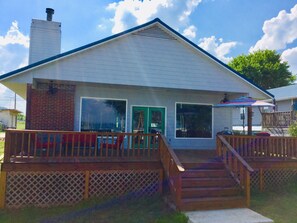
(21, 117)
(264, 68)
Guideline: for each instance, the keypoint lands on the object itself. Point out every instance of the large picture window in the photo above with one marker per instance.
(103, 115)
(193, 121)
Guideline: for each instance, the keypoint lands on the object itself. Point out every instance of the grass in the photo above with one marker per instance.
(21, 125)
(149, 210)
(278, 204)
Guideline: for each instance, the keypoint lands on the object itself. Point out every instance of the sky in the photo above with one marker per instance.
(224, 28)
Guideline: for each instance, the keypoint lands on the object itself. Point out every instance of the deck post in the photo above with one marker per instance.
(178, 192)
(2, 188)
(261, 179)
(161, 177)
(87, 179)
(7, 146)
(247, 188)
(250, 120)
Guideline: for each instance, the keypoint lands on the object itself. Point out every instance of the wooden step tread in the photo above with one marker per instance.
(208, 182)
(209, 188)
(229, 198)
(205, 173)
(210, 192)
(207, 178)
(205, 165)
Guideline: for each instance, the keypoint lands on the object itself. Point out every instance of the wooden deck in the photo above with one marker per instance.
(278, 119)
(197, 179)
(59, 146)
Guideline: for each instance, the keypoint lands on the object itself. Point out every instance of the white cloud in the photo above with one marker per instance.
(290, 55)
(13, 54)
(278, 31)
(190, 32)
(14, 36)
(217, 47)
(190, 7)
(24, 62)
(128, 13)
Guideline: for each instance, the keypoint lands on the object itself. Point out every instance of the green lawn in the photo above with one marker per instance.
(21, 124)
(280, 205)
(149, 210)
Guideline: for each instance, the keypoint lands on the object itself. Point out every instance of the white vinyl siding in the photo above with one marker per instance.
(159, 98)
(146, 60)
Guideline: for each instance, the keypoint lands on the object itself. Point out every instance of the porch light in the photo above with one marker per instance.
(51, 88)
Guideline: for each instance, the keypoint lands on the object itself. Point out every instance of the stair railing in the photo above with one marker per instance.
(173, 170)
(236, 165)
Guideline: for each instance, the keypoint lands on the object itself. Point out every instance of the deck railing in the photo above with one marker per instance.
(264, 146)
(278, 119)
(173, 170)
(236, 165)
(53, 146)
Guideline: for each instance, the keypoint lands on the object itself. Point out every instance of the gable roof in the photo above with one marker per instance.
(284, 93)
(124, 33)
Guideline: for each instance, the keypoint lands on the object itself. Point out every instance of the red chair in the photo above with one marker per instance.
(117, 144)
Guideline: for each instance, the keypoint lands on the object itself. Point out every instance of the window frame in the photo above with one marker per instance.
(114, 99)
(194, 138)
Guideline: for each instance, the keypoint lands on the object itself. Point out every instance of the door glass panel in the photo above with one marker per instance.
(138, 121)
(156, 122)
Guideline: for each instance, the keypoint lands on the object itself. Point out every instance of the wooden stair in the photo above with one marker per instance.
(208, 185)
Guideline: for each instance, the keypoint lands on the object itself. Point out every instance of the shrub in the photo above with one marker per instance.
(293, 129)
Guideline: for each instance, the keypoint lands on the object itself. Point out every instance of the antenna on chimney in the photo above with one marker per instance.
(49, 12)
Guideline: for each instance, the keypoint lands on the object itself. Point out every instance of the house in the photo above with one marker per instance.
(109, 118)
(285, 98)
(8, 117)
(147, 79)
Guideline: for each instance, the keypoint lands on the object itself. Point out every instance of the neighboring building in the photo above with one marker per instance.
(285, 110)
(285, 98)
(8, 117)
(147, 79)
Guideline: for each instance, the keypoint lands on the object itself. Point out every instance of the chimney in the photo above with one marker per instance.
(49, 12)
(45, 38)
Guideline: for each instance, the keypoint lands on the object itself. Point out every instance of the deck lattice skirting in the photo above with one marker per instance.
(43, 189)
(266, 179)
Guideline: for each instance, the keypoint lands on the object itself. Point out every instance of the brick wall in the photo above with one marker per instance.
(50, 111)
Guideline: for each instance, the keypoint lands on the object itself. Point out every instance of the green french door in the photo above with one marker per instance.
(147, 120)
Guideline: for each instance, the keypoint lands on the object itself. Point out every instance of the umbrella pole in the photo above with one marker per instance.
(250, 120)
(243, 117)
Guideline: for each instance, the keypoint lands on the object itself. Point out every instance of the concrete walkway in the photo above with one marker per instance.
(239, 215)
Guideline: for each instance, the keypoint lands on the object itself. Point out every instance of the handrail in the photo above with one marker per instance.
(173, 155)
(268, 147)
(234, 153)
(173, 170)
(236, 165)
(67, 146)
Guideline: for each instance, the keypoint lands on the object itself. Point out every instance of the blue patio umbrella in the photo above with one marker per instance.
(243, 102)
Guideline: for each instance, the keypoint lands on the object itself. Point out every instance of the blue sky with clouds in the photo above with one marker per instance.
(225, 28)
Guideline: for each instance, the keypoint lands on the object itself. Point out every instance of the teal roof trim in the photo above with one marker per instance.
(124, 33)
